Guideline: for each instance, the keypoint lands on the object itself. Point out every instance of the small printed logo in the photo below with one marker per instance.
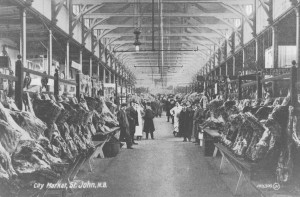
(276, 186)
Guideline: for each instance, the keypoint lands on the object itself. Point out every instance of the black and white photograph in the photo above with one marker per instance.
(149, 98)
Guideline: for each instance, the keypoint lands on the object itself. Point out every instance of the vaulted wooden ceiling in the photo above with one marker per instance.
(191, 30)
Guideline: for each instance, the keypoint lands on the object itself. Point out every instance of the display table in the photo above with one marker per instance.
(242, 167)
(100, 144)
(81, 160)
(210, 136)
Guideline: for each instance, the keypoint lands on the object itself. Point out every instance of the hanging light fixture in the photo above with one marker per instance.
(137, 43)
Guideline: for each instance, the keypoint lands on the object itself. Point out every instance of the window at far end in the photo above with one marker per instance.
(76, 9)
(248, 9)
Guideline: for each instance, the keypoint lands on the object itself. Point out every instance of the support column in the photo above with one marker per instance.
(240, 95)
(20, 64)
(275, 45)
(50, 52)
(80, 57)
(126, 91)
(104, 75)
(109, 77)
(233, 65)
(23, 40)
(259, 86)
(244, 58)
(294, 95)
(116, 85)
(98, 71)
(67, 69)
(91, 66)
(297, 10)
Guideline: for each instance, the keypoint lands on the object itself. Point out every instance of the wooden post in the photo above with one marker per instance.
(233, 66)
(23, 40)
(275, 45)
(104, 79)
(297, 9)
(259, 86)
(67, 69)
(104, 75)
(78, 81)
(80, 58)
(294, 94)
(56, 83)
(126, 91)
(244, 59)
(19, 83)
(240, 88)
(78, 78)
(19, 65)
(109, 77)
(50, 52)
(91, 66)
(226, 88)
(121, 85)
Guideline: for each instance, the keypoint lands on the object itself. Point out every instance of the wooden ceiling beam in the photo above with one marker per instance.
(207, 35)
(235, 2)
(114, 26)
(219, 14)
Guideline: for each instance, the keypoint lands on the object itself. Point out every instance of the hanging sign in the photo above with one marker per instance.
(109, 85)
(276, 71)
(76, 66)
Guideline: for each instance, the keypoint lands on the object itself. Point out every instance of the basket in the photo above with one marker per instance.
(111, 149)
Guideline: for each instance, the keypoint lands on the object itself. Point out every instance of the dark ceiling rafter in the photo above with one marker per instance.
(188, 24)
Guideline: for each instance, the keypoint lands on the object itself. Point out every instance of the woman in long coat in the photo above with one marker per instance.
(148, 124)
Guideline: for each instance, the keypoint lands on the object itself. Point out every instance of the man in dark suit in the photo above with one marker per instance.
(124, 125)
(132, 116)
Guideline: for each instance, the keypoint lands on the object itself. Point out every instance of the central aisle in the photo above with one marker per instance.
(163, 167)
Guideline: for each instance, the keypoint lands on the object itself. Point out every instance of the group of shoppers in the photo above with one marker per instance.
(186, 116)
(133, 120)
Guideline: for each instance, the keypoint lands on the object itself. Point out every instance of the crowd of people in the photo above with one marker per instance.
(185, 113)
(134, 119)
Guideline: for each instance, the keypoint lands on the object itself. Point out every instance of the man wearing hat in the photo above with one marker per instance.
(133, 120)
(124, 125)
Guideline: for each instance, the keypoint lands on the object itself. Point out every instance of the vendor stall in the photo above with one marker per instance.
(258, 137)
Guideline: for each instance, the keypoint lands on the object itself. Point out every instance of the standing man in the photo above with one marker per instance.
(132, 115)
(189, 122)
(168, 108)
(148, 124)
(124, 125)
(173, 104)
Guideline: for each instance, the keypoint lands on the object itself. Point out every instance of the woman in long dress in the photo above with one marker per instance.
(175, 112)
(139, 128)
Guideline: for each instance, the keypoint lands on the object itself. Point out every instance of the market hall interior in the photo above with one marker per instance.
(165, 166)
(77, 76)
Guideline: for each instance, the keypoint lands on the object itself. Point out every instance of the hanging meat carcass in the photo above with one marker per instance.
(46, 110)
(7, 173)
(32, 163)
(81, 146)
(65, 134)
(30, 123)
(285, 166)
